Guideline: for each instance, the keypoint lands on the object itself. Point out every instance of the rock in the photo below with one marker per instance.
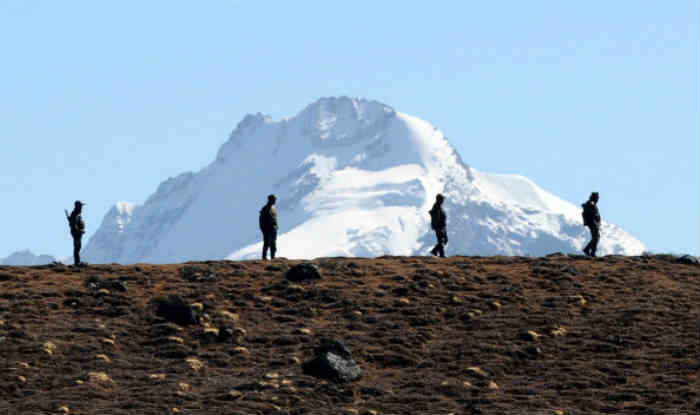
(226, 333)
(234, 317)
(49, 348)
(176, 310)
(232, 395)
(477, 371)
(578, 298)
(303, 272)
(211, 335)
(99, 377)
(688, 260)
(333, 362)
(529, 335)
(533, 351)
(104, 358)
(94, 282)
(194, 273)
(559, 331)
(195, 364)
(240, 350)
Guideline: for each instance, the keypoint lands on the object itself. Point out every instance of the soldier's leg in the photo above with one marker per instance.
(595, 237)
(273, 244)
(76, 250)
(587, 248)
(434, 251)
(442, 240)
(265, 245)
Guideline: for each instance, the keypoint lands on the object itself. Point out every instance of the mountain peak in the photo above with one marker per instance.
(353, 177)
(358, 107)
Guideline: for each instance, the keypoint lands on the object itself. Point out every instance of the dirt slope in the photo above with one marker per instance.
(462, 335)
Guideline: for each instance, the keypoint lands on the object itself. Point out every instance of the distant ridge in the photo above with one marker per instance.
(26, 257)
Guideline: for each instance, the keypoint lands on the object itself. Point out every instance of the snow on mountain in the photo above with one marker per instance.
(26, 257)
(108, 242)
(352, 178)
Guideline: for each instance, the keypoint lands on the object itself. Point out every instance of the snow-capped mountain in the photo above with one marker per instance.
(352, 178)
(26, 257)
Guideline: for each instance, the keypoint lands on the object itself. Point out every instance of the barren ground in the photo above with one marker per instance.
(461, 335)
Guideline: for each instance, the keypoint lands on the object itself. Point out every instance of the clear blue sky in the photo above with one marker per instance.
(101, 101)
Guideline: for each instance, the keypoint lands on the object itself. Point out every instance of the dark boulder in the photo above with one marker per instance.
(333, 362)
(226, 333)
(175, 309)
(303, 272)
(94, 282)
(688, 260)
(198, 274)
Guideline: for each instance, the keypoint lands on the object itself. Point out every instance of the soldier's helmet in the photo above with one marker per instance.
(439, 197)
(271, 198)
(594, 196)
(78, 203)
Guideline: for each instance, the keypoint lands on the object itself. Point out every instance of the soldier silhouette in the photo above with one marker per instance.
(591, 219)
(268, 226)
(77, 229)
(438, 221)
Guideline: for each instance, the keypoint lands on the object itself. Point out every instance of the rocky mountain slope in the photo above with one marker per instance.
(353, 178)
(463, 335)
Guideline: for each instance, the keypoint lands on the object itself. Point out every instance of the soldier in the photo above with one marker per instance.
(591, 218)
(268, 226)
(438, 221)
(77, 229)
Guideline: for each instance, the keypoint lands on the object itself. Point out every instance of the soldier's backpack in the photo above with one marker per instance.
(434, 217)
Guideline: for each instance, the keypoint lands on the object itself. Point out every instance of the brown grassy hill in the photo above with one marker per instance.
(462, 335)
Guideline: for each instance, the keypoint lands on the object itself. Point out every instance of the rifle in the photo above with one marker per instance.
(70, 225)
